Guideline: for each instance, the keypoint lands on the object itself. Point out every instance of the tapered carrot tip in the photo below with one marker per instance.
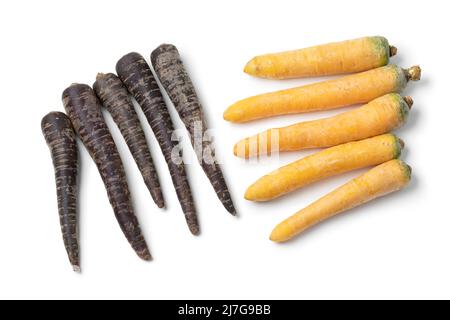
(252, 193)
(241, 149)
(195, 230)
(409, 101)
(392, 51)
(235, 149)
(192, 222)
(159, 201)
(251, 67)
(279, 234)
(76, 268)
(231, 209)
(234, 113)
(160, 204)
(144, 254)
(414, 73)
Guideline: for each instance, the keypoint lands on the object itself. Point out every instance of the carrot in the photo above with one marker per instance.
(114, 97)
(60, 138)
(377, 117)
(333, 58)
(137, 77)
(177, 83)
(381, 180)
(353, 89)
(84, 110)
(324, 164)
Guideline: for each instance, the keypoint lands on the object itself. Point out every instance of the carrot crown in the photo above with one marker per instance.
(381, 45)
(399, 145)
(405, 104)
(406, 169)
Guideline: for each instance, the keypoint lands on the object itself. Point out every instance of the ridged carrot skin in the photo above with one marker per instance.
(328, 59)
(61, 140)
(174, 78)
(377, 117)
(324, 164)
(349, 90)
(386, 178)
(137, 77)
(114, 97)
(84, 111)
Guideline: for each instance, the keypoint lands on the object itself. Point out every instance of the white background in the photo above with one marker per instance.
(395, 247)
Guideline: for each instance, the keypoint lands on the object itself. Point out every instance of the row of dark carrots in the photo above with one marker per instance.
(84, 119)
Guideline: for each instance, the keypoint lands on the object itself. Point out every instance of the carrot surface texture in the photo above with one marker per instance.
(137, 77)
(61, 140)
(345, 91)
(381, 180)
(178, 85)
(84, 110)
(377, 117)
(328, 59)
(114, 97)
(324, 164)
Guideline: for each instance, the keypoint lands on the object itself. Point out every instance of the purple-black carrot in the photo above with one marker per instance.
(136, 75)
(114, 97)
(61, 140)
(84, 110)
(178, 85)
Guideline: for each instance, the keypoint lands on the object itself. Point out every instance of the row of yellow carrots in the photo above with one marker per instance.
(358, 138)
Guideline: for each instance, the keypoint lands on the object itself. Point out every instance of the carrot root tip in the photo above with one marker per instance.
(145, 255)
(251, 68)
(195, 230)
(392, 51)
(232, 211)
(76, 268)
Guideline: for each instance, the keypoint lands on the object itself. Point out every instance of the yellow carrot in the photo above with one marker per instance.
(377, 117)
(381, 180)
(349, 90)
(328, 59)
(323, 164)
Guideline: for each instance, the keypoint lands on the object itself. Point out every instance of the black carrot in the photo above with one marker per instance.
(178, 85)
(84, 110)
(61, 140)
(135, 73)
(114, 97)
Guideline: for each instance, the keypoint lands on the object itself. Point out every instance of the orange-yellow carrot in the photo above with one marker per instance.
(377, 117)
(323, 164)
(328, 59)
(349, 90)
(381, 180)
